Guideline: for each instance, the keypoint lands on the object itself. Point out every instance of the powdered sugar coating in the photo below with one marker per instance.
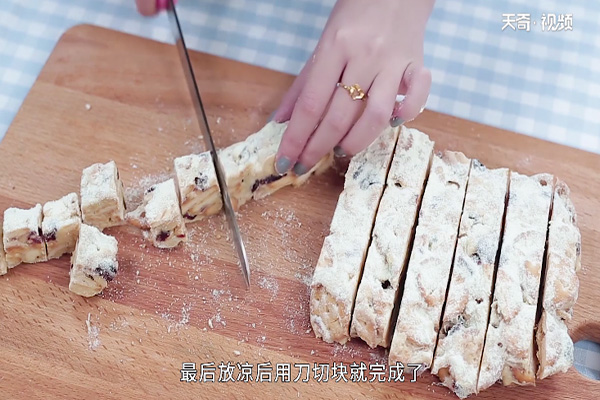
(391, 237)
(60, 225)
(94, 262)
(430, 262)
(23, 242)
(462, 334)
(102, 202)
(16, 219)
(160, 216)
(340, 263)
(198, 186)
(509, 347)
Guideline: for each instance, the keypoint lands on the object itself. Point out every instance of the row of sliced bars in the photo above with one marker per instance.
(448, 255)
(42, 233)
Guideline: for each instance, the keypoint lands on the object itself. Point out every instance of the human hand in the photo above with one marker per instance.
(151, 7)
(377, 44)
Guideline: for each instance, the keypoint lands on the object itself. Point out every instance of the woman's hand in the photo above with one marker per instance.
(377, 44)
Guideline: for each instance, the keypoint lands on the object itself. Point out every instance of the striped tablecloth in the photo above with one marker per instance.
(529, 67)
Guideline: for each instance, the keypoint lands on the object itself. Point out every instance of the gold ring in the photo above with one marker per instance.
(355, 91)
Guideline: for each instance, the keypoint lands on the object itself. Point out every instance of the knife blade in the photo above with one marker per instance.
(203, 122)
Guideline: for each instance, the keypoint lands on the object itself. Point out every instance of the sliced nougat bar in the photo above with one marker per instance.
(94, 262)
(389, 249)
(465, 320)
(249, 167)
(198, 186)
(102, 202)
(509, 346)
(3, 265)
(23, 241)
(336, 275)
(60, 225)
(159, 216)
(563, 261)
(430, 262)
(264, 180)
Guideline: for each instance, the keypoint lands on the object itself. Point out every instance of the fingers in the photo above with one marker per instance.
(340, 117)
(146, 7)
(376, 115)
(308, 109)
(416, 83)
(284, 112)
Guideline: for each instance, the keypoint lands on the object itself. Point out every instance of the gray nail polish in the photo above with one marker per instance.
(282, 165)
(396, 121)
(300, 169)
(339, 152)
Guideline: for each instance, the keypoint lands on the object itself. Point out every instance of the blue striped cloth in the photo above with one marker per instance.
(538, 82)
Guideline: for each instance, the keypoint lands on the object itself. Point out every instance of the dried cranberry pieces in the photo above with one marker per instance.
(162, 236)
(50, 236)
(34, 238)
(107, 270)
(266, 181)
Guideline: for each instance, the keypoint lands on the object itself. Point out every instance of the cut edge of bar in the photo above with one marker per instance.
(540, 302)
(496, 265)
(439, 325)
(364, 258)
(400, 291)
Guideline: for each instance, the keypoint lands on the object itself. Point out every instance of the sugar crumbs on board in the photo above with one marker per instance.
(93, 332)
(148, 273)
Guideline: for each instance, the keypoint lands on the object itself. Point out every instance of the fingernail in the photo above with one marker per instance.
(300, 169)
(396, 121)
(282, 165)
(339, 152)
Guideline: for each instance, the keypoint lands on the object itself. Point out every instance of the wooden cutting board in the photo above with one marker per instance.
(189, 304)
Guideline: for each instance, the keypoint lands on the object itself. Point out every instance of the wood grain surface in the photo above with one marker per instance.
(189, 304)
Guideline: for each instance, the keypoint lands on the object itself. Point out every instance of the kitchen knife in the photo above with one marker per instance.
(203, 122)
